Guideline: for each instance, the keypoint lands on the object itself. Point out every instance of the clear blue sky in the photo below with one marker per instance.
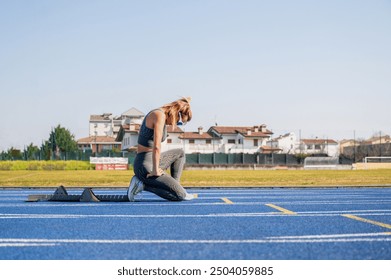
(319, 67)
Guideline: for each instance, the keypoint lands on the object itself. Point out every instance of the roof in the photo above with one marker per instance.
(133, 112)
(243, 130)
(195, 135)
(172, 129)
(103, 117)
(97, 139)
(268, 149)
(254, 134)
(319, 141)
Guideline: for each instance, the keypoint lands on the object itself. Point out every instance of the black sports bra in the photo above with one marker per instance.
(146, 134)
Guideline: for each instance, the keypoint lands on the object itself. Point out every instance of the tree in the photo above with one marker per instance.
(12, 154)
(31, 151)
(46, 151)
(61, 140)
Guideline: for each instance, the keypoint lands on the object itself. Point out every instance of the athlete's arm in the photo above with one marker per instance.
(158, 119)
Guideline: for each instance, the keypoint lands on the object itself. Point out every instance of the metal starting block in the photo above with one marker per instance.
(88, 195)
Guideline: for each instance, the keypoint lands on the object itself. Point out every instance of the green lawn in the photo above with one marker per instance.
(201, 178)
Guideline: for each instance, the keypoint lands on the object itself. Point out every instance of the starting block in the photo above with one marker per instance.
(88, 195)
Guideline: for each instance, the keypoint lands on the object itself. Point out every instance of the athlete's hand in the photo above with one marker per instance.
(157, 173)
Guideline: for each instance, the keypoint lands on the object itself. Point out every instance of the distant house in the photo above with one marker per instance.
(101, 125)
(128, 135)
(199, 142)
(240, 139)
(173, 138)
(284, 143)
(106, 127)
(107, 131)
(347, 143)
(377, 140)
(217, 139)
(98, 144)
(318, 146)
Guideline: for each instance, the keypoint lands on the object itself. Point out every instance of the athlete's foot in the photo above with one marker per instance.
(135, 187)
(188, 197)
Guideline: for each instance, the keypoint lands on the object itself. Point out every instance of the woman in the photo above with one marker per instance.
(150, 162)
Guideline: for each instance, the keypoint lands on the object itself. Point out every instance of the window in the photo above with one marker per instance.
(191, 141)
(169, 141)
(208, 141)
(256, 142)
(231, 141)
(317, 147)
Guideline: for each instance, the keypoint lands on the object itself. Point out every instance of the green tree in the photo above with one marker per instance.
(31, 152)
(13, 154)
(46, 151)
(61, 140)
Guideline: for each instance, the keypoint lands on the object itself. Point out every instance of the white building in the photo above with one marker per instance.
(200, 142)
(128, 135)
(285, 143)
(218, 139)
(240, 139)
(328, 147)
(109, 125)
(101, 125)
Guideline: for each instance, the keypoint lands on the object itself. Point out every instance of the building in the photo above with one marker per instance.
(240, 139)
(128, 135)
(284, 144)
(218, 139)
(347, 143)
(104, 130)
(108, 125)
(383, 139)
(98, 144)
(101, 125)
(315, 146)
(199, 142)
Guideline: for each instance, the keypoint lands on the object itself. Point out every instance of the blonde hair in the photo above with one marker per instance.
(178, 109)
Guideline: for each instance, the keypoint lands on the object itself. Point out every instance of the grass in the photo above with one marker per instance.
(200, 178)
(45, 165)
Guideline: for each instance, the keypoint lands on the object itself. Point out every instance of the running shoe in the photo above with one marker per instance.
(188, 197)
(135, 187)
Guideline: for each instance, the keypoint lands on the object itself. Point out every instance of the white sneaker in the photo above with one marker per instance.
(188, 197)
(135, 187)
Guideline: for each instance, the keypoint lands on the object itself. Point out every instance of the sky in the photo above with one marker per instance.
(315, 68)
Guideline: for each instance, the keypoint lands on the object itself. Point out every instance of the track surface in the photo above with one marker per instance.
(268, 223)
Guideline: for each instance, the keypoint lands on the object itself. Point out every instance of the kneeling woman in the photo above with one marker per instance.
(150, 163)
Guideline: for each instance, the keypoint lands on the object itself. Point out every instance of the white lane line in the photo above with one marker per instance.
(364, 237)
(188, 204)
(208, 215)
(26, 244)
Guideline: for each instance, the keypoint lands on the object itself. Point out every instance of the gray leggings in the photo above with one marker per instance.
(165, 186)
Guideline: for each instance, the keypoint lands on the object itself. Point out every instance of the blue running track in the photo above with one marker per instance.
(252, 224)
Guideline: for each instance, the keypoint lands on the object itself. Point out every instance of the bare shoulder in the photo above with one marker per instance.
(155, 117)
(157, 114)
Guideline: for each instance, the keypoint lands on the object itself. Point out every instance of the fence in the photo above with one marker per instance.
(76, 155)
(191, 159)
(241, 158)
(359, 152)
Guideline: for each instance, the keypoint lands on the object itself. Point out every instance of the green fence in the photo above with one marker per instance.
(193, 159)
(241, 158)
